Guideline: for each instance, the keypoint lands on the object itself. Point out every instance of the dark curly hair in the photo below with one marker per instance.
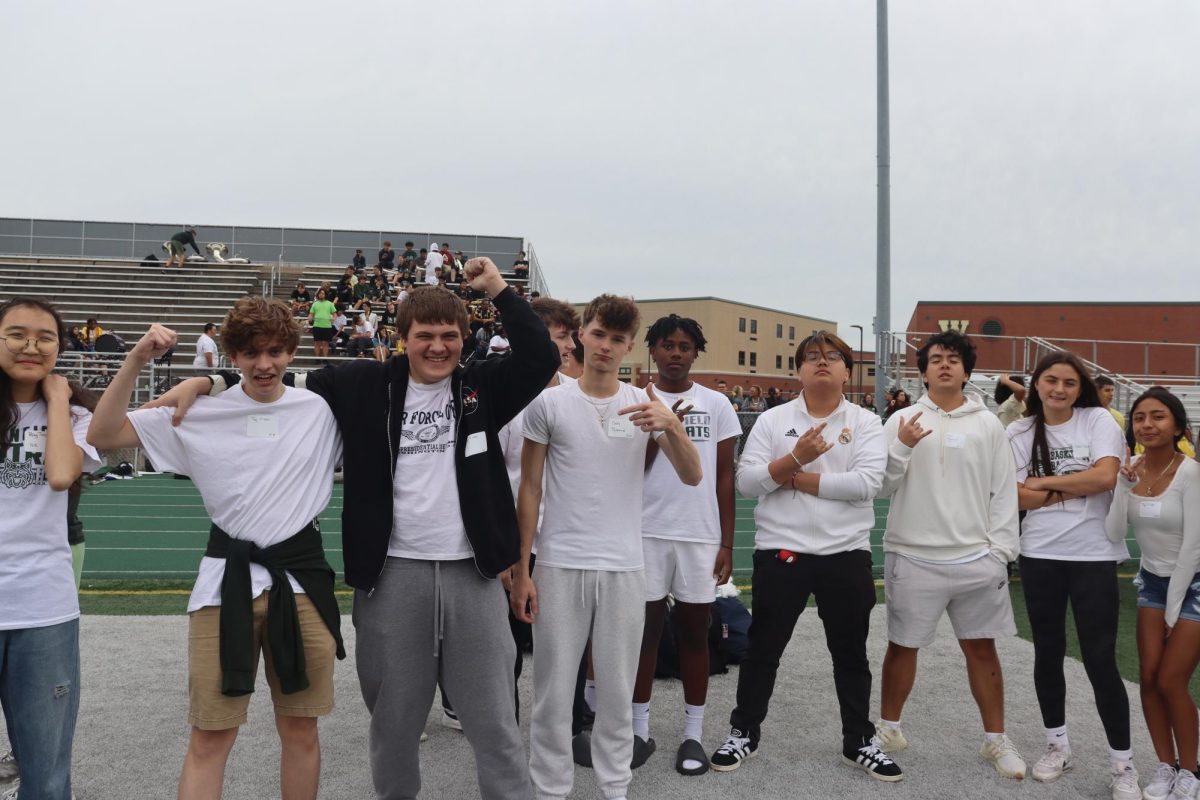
(665, 326)
(253, 320)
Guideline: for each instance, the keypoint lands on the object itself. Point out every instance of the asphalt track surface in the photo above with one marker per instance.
(132, 730)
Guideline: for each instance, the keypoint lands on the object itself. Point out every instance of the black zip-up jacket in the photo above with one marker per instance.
(367, 398)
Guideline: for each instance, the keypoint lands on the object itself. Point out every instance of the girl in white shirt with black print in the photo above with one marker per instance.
(1159, 497)
(1068, 450)
(45, 424)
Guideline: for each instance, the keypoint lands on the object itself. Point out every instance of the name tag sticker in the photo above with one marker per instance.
(476, 443)
(619, 428)
(35, 441)
(1150, 509)
(956, 440)
(262, 426)
(1082, 451)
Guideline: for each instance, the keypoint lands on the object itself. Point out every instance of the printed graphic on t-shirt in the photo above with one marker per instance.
(427, 431)
(1068, 460)
(23, 465)
(698, 425)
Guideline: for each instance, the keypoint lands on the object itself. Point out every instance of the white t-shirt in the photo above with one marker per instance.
(364, 328)
(512, 441)
(432, 262)
(498, 344)
(37, 586)
(670, 508)
(595, 465)
(264, 470)
(205, 344)
(1074, 530)
(427, 520)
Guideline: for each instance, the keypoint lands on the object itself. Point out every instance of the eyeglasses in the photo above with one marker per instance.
(17, 342)
(829, 356)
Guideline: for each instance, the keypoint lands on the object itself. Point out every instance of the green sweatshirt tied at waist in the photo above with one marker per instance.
(303, 556)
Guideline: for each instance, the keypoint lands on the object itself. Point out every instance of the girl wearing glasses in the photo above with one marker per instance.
(45, 451)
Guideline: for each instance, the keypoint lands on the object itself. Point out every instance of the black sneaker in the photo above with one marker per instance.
(737, 748)
(873, 761)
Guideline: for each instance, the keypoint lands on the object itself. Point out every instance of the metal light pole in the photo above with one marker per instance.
(860, 362)
(883, 241)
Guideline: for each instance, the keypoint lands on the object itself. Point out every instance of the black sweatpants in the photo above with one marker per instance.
(845, 595)
(1091, 587)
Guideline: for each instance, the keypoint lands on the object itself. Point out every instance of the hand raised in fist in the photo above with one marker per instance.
(155, 343)
(911, 431)
(484, 276)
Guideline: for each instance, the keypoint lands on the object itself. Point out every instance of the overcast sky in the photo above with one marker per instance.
(659, 148)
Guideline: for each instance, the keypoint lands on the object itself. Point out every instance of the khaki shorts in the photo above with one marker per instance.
(210, 710)
(974, 594)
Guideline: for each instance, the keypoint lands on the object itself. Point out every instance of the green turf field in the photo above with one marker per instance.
(155, 527)
(145, 538)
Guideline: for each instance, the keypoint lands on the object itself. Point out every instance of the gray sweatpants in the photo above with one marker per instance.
(431, 619)
(573, 603)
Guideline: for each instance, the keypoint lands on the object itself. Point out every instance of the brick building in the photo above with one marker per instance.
(1151, 340)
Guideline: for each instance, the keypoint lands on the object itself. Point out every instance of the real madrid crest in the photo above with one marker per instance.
(844, 437)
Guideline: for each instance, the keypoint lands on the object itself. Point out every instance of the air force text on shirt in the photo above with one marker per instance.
(427, 431)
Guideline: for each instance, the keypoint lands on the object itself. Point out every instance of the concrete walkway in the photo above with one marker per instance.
(132, 732)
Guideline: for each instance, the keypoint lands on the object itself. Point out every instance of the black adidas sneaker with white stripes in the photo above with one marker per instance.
(737, 748)
(873, 761)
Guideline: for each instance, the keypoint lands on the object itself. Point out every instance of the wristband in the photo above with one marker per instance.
(727, 547)
(793, 455)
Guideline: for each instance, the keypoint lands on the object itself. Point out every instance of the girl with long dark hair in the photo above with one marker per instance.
(1159, 497)
(45, 451)
(1068, 450)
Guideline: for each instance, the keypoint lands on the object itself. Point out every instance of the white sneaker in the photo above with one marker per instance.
(1186, 786)
(891, 740)
(8, 767)
(1053, 763)
(1004, 757)
(1123, 780)
(1160, 785)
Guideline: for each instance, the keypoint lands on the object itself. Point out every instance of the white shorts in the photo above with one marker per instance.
(974, 594)
(682, 569)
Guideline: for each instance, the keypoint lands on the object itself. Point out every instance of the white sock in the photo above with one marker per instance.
(589, 693)
(1120, 756)
(991, 737)
(1058, 738)
(893, 725)
(693, 723)
(641, 720)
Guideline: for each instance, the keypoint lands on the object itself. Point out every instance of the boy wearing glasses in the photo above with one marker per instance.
(816, 465)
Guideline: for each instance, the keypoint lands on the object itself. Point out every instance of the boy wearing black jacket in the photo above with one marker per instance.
(420, 549)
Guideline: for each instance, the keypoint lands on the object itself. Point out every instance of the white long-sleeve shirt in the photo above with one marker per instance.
(954, 495)
(839, 518)
(1167, 529)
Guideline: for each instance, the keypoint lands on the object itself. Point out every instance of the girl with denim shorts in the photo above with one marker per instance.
(1159, 497)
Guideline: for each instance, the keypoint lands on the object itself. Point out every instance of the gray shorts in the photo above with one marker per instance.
(975, 595)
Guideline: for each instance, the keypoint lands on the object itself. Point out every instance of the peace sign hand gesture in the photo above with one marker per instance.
(911, 432)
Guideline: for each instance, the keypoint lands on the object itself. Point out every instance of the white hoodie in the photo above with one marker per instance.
(840, 518)
(955, 493)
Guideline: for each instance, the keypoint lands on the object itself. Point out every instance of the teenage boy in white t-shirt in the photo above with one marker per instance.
(951, 532)
(263, 458)
(428, 522)
(687, 533)
(589, 439)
